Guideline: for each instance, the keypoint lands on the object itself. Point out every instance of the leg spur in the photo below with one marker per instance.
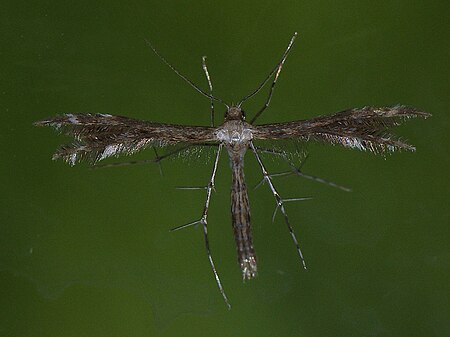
(204, 222)
(280, 203)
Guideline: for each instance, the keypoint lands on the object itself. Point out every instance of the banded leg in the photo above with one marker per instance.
(279, 201)
(298, 171)
(276, 71)
(204, 221)
(208, 78)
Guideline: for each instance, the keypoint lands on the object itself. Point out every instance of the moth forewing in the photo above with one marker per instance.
(99, 136)
(362, 128)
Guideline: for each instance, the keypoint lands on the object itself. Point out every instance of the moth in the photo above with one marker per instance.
(99, 136)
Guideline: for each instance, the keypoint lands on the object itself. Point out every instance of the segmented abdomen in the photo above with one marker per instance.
(240, 219)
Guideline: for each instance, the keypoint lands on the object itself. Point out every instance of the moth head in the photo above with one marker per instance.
(235, 113)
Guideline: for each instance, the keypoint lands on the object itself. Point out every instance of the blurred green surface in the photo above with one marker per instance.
(88, 252)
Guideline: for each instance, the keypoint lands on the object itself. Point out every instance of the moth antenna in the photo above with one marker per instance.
(192, 84)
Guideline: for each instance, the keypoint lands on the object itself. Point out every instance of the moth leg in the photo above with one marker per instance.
(280, 202)
(277, 71)
(204, 221)
(297, 171)
(208, 78)
(156, 160)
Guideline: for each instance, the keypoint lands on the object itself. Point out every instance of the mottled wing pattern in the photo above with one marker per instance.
(362, 128)
(99, 136)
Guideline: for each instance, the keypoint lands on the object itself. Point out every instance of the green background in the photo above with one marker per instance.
(88, 252)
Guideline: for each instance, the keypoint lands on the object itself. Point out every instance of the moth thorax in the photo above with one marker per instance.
(235, 132)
